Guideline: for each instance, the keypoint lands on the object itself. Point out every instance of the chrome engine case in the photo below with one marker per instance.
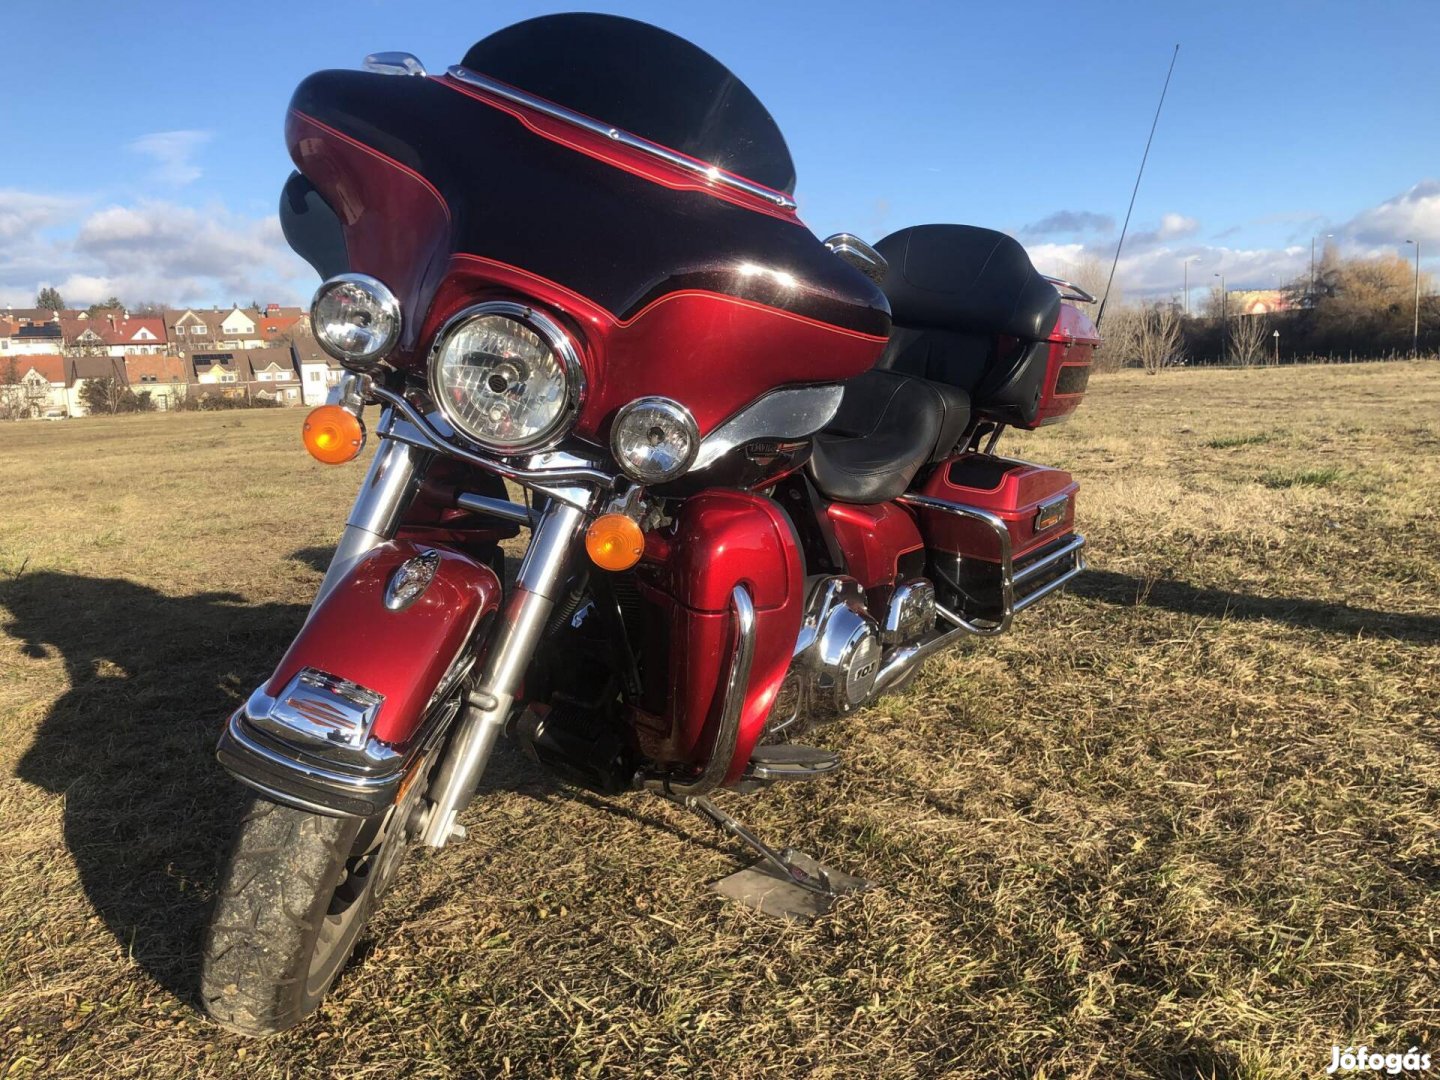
(840, 649)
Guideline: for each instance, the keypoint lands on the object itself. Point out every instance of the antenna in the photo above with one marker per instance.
(1136, 190)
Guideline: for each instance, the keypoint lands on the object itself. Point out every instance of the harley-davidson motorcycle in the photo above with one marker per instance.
(757, 470)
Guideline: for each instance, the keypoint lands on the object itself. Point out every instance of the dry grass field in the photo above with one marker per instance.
(1183, 822)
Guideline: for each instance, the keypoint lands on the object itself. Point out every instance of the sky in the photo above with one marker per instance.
(145, 151)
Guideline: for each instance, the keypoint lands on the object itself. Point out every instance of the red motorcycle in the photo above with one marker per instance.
(757, 469)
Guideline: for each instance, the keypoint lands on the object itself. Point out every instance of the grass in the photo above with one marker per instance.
(1183, 822)
(1230, 442)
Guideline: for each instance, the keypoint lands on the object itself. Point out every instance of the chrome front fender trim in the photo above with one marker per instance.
(788, 413)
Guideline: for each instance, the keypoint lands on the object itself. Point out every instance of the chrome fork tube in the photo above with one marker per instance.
(394, 475)
(537, 587)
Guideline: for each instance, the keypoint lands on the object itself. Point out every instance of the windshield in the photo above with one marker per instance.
(646, 81)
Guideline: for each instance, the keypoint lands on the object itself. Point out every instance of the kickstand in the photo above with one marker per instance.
(787, 883)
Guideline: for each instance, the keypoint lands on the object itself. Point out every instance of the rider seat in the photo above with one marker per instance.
(889, 426)
(970, 319)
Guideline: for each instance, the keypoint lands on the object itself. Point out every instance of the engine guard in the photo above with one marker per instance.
(368, 686)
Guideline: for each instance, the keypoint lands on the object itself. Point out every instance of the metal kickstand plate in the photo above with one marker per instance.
(786, 884)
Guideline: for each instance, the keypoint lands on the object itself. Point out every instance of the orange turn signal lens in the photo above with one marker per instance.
(333, 435)
(614, 542)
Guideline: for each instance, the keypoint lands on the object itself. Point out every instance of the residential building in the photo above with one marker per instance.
(165, 378)
(319, 371)
(80, 370)
(38, 387)
(114, 335)
(36, 339)
(29, 316)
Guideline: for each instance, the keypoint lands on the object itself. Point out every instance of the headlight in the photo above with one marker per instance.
(356, 319)
(506, 376)
(654, 439)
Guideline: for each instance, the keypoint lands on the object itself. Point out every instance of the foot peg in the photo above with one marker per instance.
(771, 764)
(784, 884)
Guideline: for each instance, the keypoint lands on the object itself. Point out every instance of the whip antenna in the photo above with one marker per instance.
(1136, 190)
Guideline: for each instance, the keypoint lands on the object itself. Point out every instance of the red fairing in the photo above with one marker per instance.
(716, 353)
(872, 539)
(403, 654)
(371, 193)
(723, 539)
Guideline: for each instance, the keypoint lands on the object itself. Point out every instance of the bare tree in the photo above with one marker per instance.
(1249, 335)
(12, 394)
(1157, 337)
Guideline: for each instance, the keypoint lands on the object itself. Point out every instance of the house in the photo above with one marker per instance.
(114, 335)
(273, 375)
(210, 368)
(29, 316)
(31, 386)
(80, 370)
(165, 378)
(36, 339)
(319, 371)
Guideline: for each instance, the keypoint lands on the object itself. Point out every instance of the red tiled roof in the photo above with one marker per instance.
(164, 368)
(51, 367)
(117, 331)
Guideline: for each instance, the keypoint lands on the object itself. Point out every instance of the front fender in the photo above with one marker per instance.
(364, 687)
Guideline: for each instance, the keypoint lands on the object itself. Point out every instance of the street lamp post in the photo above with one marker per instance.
(1415, 334)
(1224, 321)
(1186, 264)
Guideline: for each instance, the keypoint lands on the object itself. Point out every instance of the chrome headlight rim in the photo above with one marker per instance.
(388, 302)
(680, 414)
(561, 343)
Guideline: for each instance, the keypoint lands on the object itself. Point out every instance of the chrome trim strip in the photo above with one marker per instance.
(787, 413)
(713, 173)
(737, 685)
(554, 335)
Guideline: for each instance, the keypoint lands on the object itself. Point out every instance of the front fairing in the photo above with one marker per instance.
(671, 284)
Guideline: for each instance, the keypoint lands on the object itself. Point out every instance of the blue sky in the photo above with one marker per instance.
(145, 150)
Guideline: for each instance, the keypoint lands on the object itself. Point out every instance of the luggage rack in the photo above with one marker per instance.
(1019, 587)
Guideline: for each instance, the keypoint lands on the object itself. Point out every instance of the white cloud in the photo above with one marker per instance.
(159, 250)
(25, 213)
(1153, 263)
(1413, 215)
(173, 153)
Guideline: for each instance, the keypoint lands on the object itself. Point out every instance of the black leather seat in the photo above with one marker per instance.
(969, 310)
(888, 427)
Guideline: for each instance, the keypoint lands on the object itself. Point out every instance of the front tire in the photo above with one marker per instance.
(293, 899)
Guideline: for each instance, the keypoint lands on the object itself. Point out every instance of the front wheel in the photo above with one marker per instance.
(293, 898)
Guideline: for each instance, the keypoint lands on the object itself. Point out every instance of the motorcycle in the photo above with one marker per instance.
(757, 470)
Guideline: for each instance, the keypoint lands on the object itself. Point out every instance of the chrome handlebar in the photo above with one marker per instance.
(416, 430)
